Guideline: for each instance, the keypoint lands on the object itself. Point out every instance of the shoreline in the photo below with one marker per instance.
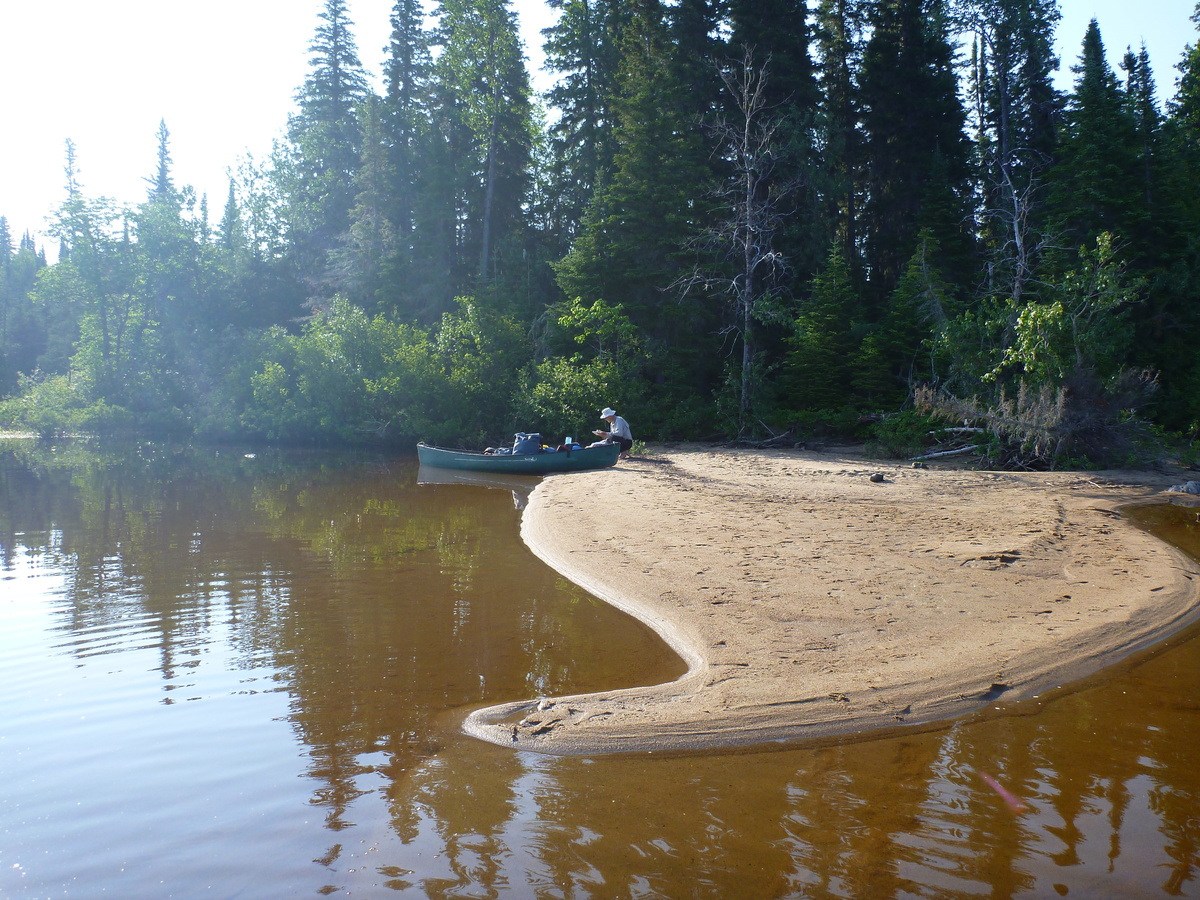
(810, 602)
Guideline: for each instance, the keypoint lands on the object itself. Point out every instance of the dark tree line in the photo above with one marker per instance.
(744, 218)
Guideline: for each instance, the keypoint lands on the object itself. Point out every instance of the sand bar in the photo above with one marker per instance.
(810, 601)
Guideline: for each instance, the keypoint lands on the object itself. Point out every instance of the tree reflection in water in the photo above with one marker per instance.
(365, 613)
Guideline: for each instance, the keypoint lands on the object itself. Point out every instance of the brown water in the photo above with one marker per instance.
(230, 676)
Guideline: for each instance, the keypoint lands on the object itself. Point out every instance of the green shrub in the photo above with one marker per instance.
(902, 435)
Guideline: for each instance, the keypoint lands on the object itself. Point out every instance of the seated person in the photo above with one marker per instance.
(618, 432)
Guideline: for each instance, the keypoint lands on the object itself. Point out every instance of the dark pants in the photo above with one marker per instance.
(625, 443)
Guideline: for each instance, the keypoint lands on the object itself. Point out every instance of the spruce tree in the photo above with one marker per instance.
(632, 244)
(839, 30)
(916, 151)
(818, 364)
(1096, 187)
(1170, 319)
(162, 186)
(406, 134)
(359, 265)
(584, 49)
(778, 33)
(697, 56)
(316, 172)
(483, 105)
(1185, 107)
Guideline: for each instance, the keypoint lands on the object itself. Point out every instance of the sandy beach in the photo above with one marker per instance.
(810, 601)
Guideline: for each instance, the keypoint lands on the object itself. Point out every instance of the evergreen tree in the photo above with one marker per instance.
(1185, 108)
(317, 167)
(1142, 106)
(632, 245)
(818, 364)
(172, 287)
(483, 103)
(1016, 104)
(1170, 319)
(838, 32)
(8, 303)
(778, 33)
(336, 83)
(232, 230)
(583, 48)
(697, 56)
(23, 327)
(916, 151)
(745, 264)
(779, 36)
(359, 265)
(162, 186)
(405, 135)
(1015, 111)
(478, 157)
(905, 341)
(1096, 188)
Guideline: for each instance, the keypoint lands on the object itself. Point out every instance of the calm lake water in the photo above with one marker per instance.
(238, 675)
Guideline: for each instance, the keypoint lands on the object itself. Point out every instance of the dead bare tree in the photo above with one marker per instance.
(746, 266)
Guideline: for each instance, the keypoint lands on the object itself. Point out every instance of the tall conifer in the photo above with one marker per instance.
(839, 29)
(632, 245)
(1096, 187)
(916, 150)
(324, 145)
(584, 49)
(484, 96)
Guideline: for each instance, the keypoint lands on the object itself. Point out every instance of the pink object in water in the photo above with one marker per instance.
(1015, 803)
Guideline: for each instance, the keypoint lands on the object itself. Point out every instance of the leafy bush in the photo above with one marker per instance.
(54, 406)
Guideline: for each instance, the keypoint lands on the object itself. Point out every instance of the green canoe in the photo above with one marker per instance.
(520, 463)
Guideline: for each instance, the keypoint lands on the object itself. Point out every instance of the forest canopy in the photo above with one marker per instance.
(766, 220)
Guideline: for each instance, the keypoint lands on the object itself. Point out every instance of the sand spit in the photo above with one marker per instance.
(811, 601)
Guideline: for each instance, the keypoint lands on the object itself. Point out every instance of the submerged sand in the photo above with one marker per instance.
(810, 601)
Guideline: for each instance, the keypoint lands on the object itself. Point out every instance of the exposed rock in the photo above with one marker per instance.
(1188, 487)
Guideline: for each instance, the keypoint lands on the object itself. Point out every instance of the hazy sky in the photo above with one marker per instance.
(223, 74)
